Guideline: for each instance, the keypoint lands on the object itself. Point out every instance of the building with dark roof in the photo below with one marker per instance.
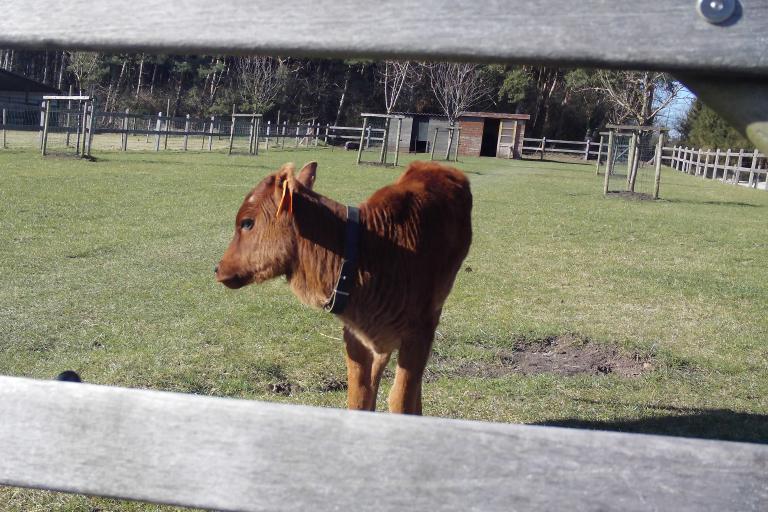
(20, 90)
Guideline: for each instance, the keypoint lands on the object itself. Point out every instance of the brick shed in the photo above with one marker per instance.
(482, 133)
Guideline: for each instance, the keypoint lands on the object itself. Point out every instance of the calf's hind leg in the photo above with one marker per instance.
(364, 369)
(405, 395)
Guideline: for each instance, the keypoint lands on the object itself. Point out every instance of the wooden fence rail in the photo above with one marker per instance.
(241, 455)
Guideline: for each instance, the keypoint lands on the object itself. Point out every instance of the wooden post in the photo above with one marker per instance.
(186, 132)
(543, 147)
(397, 142)
(298, 124)
(631, 160)
(451, 131)
(251, 128)
(752, 168)
(232, 130)
(725, 165)
(599, 156)
(258, 129)
(657, 178)
(706, 164)
(67, 117)
(384, 142)
(91, 126)
(125, 130)
(285, 127)
(46, 121)
(149, 128)
(456, 150)
(737, 172)
(609, 162)
(327, 130)
(368, 138)
(316, 128)
(434, 143)
(266, 142)
(81, 129)
(587, 145)
(698, 163)
(716, 163)
(514, 151)
(5, 118)
(41, 126)
(210, 137)
(362, 137)
(157, 131)
(634, 168)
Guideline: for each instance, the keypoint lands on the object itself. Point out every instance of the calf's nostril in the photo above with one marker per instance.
(216, 269)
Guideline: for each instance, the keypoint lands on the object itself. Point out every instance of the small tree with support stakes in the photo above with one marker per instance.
(81, 119)
(366, 137)
(253, 130)
(633, 145)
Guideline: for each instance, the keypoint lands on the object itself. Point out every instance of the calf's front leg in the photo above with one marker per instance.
(405, 395)
(364, 369)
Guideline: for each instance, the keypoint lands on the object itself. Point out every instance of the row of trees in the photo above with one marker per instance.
(563, 103)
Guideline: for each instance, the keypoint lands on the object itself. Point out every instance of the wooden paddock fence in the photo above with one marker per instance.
(238, 455)
(737, 167)
(25, 126)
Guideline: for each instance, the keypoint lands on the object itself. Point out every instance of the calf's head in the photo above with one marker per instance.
(264, 243)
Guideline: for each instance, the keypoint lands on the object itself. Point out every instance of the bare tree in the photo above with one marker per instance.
(637, 96)
(394, 75)
(261, 80)
(87, 68)
(456, 87)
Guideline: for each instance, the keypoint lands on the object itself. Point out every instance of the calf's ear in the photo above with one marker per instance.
(285, 186)
(308, 174)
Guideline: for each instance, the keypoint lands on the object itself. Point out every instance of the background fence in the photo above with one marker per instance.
(23, 127)
(737, 167)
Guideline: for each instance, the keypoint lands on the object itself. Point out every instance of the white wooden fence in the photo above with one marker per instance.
(738, 167)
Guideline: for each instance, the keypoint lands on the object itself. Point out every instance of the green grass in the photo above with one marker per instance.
(107, 268)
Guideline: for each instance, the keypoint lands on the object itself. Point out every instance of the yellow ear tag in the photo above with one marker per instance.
(283, 200)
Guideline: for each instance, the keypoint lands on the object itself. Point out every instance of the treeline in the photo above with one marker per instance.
(563, 103)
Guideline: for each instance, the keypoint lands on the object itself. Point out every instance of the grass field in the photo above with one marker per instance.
(107, 269)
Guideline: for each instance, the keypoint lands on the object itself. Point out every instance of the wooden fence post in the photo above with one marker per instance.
(4, 122)
(46, 120)
(232, 130)
(716, 163)
(657, 178)
(210, 136)
(434, 144)
(587, 145)
(752, 168)
(385, 141)
(631, 159)
(285, 132)
(698, 163)
(362, 137)
(543, 148)
(269, 131)
(81, 129)
(706, 164)
(725, 165)
(157, 131)
(67, 117)
(368, 138)
(298, 124)
(737, 173)
(186, 132)
(599, 156)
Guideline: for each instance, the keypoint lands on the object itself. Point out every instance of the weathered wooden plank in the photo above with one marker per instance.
(515, 30)
(240, 455)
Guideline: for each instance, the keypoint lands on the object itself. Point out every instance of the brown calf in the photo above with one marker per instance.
(412, 237)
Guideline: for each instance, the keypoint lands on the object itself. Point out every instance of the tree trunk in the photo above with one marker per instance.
(152, 83)
(347, 76)
(140, 77)
(62, 67)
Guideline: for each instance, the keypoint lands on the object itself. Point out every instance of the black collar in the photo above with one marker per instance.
(340, 296)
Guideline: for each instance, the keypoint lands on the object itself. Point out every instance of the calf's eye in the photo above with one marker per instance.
(246, 224)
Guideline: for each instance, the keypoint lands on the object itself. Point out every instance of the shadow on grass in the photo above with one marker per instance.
(721, 424)
(713, 203)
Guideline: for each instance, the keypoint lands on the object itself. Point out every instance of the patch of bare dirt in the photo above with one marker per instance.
(632, 196)
(566, 355)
